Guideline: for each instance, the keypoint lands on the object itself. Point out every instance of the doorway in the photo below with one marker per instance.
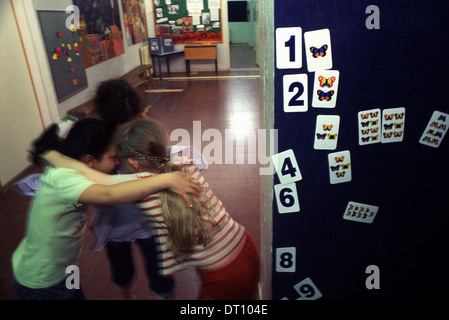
(242, 22)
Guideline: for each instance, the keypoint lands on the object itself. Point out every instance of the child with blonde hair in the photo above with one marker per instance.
(203, 236)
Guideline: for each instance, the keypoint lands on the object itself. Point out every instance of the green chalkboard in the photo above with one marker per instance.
(64, 54)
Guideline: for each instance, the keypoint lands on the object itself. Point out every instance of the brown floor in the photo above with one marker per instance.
(222, 104)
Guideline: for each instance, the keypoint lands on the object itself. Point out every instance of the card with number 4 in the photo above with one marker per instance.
(326, 132)
(360, 212)
(435, 130)
(340, 167)
(286, 166)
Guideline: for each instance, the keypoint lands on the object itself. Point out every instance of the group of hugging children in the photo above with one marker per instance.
(120, 164)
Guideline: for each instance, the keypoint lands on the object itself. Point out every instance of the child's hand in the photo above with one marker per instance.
(184, 185)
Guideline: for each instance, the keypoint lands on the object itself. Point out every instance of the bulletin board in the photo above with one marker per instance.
(188, 21)
(64, 54)
(360, 205)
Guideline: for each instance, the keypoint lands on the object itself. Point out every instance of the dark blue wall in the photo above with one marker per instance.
(405, 63)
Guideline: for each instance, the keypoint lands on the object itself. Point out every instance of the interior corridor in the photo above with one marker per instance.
(227, 102)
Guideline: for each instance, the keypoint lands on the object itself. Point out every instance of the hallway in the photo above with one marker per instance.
(227, 103)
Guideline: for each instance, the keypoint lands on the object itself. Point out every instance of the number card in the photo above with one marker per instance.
(286, 197)
(286, 259)
(369, 126)
(360, 212)
(307, 290)
(295, 93)
(435, 130)
(286, 166)
(318, 50)
(326, 132)
(325, 88)
(340, 167)
(289, 48)
(393, 125)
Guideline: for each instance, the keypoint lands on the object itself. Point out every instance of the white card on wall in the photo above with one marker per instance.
(318, 50)
(393, 125)
(436, 129)
(340, 167)
(286, 166)
(286, 259)
(307, 290)
(295, 92)
(325, 88)
(370, 123)
(326, 132)
(289, 48)
(360, 212)
(286, 198)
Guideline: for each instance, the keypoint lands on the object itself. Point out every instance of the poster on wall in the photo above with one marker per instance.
(135, 18)
(100, 32)
(188, 21)
(63, 52)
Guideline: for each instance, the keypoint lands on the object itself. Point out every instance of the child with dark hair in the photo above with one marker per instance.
(57, 217)
(116, 102)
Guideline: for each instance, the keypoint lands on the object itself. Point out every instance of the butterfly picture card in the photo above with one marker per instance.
(325, 88)
(393, 125)
(340, 167)
(318, 50)
(436, 129)
(326, 132)
(370, 123)
(360, 212)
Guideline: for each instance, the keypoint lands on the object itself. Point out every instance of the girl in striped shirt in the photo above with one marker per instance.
(204, 235)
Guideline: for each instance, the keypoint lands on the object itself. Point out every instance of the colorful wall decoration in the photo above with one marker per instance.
(135, 18)
(63, 50)
(100, 32)
(188, 21)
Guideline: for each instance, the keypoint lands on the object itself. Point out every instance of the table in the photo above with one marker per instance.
(200, 52)
(166, 56)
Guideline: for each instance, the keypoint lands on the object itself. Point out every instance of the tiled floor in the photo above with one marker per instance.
(227, 105)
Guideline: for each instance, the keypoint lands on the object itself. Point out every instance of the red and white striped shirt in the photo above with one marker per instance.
(228, 235)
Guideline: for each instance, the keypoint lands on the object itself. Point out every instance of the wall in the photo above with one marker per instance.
(20, 121)
(317, 251)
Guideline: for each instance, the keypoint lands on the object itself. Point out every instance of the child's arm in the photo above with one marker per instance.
(57, 159)
(135, 190)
